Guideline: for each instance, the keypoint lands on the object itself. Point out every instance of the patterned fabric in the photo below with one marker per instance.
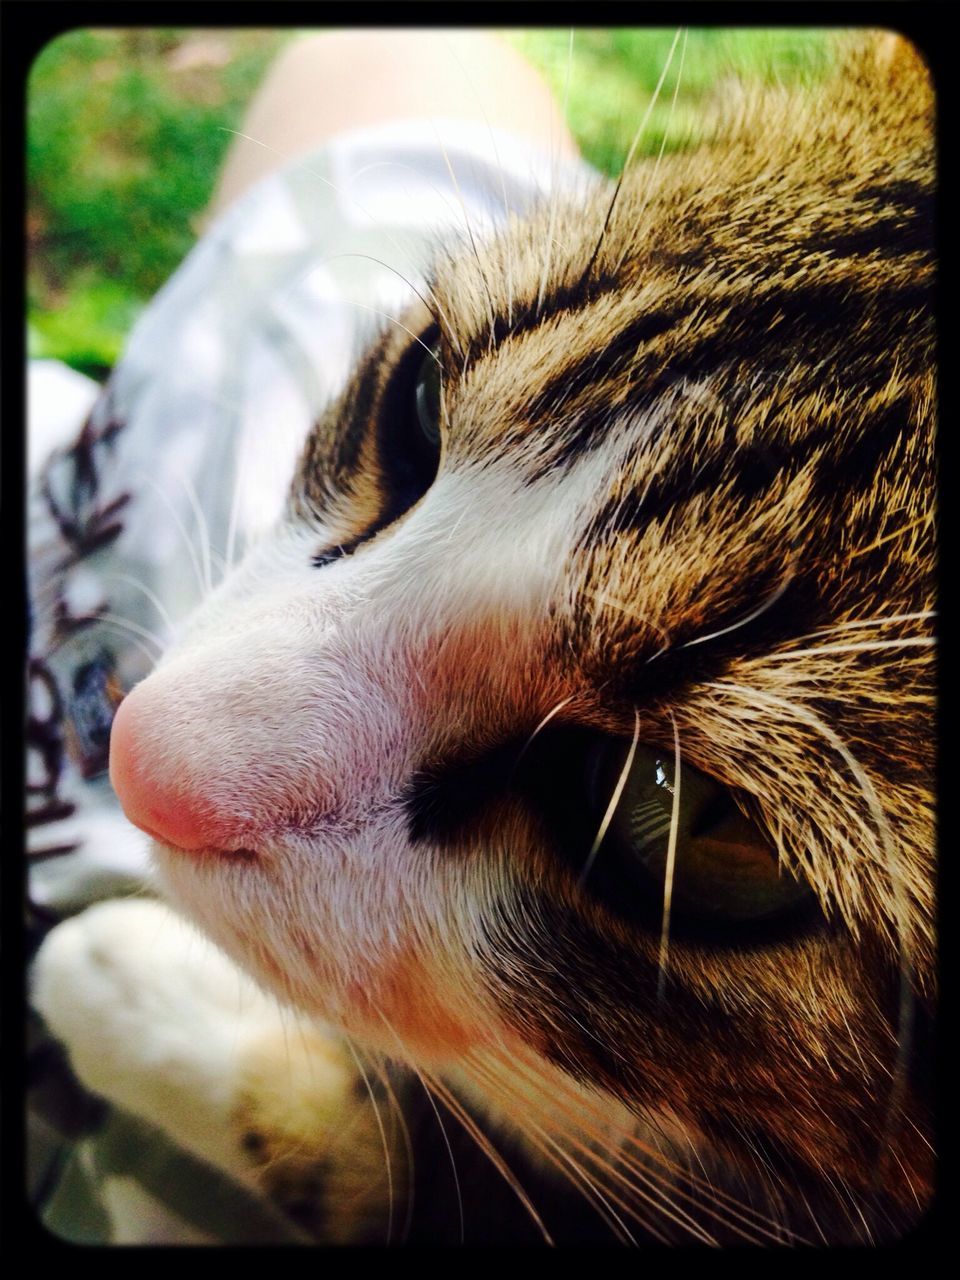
(182, 460)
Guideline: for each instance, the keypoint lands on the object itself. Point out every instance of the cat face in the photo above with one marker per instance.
(572, 729)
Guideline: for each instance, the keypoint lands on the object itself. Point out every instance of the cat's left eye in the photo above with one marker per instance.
(724, 871)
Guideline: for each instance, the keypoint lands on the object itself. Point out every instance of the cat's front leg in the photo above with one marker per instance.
(161, 1024)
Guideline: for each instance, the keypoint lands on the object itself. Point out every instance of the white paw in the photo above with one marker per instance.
(153, 1018)
(159, 1022)
(163, 1025)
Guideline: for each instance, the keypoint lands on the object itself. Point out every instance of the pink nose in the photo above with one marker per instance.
(161, 802)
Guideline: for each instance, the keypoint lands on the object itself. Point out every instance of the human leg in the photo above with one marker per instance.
(325, 84)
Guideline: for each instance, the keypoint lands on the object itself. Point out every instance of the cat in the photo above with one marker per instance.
(568, 745)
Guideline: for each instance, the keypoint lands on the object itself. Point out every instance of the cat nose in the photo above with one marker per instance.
(162, 804)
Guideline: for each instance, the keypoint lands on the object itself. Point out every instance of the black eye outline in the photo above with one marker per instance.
(408, 437)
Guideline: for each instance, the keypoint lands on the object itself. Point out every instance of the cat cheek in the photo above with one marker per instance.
(403, 999)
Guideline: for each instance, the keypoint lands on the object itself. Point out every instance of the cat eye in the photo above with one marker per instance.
(428, 398)
(409, 434)
(408, 439)
(724, 872)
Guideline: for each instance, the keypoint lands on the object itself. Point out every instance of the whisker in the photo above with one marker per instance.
(446, 1142)
(904, 931)
(202, 529)
(565, 1163)
(388, 1164)
(575, 1110)
(409, 1061)
(898, 533)
(907, 642)
(508, 244)
(554, 204)
(151, 595)
(854, 1041)
(542, 725)
(867, 789)
(134, 628)
(442, 320)
(457, 1110)
(929, 1145)
(345, 193)
(400, 325)
(604, 597)
(655, 1188)
(626, 164)
(663, 143)
(191, 550)
(240, 464)
(578, 1176)
(881, 621)
(614, 801)
(127, 629)
(383, 1076)
(470, 235)
(521, 1064)
(671, 863)
(750, 617)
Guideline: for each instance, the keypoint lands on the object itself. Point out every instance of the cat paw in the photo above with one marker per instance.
(163, 1025)
(318, 1133)
(150, 1014)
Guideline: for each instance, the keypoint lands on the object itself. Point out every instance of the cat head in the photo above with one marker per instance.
(573, 729)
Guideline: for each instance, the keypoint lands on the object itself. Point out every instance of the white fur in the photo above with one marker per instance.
(154, 1018)
(300, 703)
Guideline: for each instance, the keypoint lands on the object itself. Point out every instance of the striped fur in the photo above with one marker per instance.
(685, 494)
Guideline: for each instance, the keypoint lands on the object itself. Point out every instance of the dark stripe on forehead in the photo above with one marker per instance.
(889, 237)
(912, 200)
(528, 314)
(588, 371)
(333, 449)
(885, 221)
(773, 334)
(848, 461)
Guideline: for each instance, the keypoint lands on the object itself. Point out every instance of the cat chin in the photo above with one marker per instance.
(371, 983)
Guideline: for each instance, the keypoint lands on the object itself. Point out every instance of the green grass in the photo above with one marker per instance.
(608, 81)
(127, 130)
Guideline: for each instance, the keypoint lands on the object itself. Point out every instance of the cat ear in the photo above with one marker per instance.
(894, 64)
(896, 55)
(887, 68)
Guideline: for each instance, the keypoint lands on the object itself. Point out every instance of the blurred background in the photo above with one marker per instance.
(127, 129)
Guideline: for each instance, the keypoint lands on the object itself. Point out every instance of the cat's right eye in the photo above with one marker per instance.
(408, 439)
(428, 398)
(409, 433)
(723, 870)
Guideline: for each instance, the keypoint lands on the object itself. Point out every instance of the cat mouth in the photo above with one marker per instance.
(239, 854)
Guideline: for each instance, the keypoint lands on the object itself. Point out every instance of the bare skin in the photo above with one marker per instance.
(325, 84)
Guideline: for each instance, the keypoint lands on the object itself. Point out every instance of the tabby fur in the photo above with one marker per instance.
(685, 498)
